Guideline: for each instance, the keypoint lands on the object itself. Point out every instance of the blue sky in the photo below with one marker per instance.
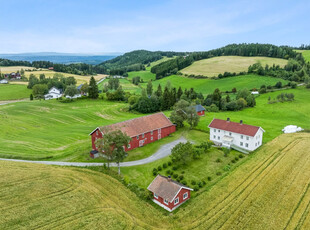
(94, 26)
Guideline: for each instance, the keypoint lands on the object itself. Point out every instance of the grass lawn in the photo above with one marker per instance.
(305, 54)
(145, 75)
(214, 66)
(13, 92)
(207, 86)
(126, 85)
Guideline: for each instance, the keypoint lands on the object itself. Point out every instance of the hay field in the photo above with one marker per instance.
(13, 92)
(270, 190)
(305, 54)
(10, 69)
(214, 66)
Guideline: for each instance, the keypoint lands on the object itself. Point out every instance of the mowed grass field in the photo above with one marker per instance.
(126, 85)
(214, 66)
(305, 54)
(269, 190)
(207, 86)
(10, 69)
(13, 92)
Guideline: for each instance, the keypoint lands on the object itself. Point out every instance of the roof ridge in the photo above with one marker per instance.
(235, 122)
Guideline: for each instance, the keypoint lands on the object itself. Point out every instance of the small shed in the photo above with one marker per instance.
(200, 110)
(4, 81)
(291, 129)
(167, 193)
(254, 92)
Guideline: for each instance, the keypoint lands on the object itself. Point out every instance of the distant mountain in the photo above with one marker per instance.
(61, 58)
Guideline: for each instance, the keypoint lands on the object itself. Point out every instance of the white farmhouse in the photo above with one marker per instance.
(53, 93)
(4, 81)
(239, 136)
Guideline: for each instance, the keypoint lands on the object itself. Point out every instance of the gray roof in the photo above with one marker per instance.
(199, 108)
(79, 87)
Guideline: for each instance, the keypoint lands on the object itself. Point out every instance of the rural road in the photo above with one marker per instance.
(163, 151)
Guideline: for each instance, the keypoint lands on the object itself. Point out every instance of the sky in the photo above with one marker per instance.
(101, 26)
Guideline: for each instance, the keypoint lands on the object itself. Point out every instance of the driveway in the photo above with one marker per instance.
(163, 151)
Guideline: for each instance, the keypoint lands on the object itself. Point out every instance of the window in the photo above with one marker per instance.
(176, 200)
(159, 131)
(241, 143)
(142, 135)
(137, 137)
(214, 137)
(229, 134)
(247, 138)
(185, 195)
(219, 130)
(241, 136)
(128, 147)
(255, 144)
(218, 137)
(166, 201)
(151, 138)
(97, 132)
(246, 145)
(152, 132)
(258, 143)
(155, 195)
(214, 130)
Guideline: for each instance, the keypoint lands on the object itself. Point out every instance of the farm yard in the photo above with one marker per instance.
(268, 183)
(216, 65)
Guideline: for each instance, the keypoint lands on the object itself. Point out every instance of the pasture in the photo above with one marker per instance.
(10, 69)
(207, 86)
(13, 92)
(305, 54)
(126, 85)
(269, 189)
(235, 64)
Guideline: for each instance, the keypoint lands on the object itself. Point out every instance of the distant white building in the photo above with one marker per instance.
(291, 129)
(53, 93)
(75, 96)
(239, 136)
(4, 81)
(254, 92)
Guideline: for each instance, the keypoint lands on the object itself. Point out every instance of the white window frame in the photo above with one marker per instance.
(241, 136)
(138, 137)
(152, 132)
(214, 136)
(151, 138)
(246, 145)
(159, 131)
(155, 195)
(176, 200)
(218, 137)
(229, 134)
(97, 132)
(247, 138)
(166, 201)
(241, 143)
(214, 130)
(142, 135)
(186, 195)
(218, 131)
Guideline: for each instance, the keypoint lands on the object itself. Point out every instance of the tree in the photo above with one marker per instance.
(278, 85)
(149, 88)
(179, 115)
(84, 88)
(165, 104)
(39, 90)
(179, 93)
(70, 81)
(159, 91)
(182, 153)
(93, 88)
(31, 97)
(192, 116)
(32, 81)
(71, 91)
(234, 90)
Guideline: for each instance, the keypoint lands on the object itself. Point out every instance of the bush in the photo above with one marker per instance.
(165, 165)
(204, 183)
(154, 173)
(227, 168)
(183, 172)
(233, 161)
(181, 177)
(169, 163)
(193, 182)
(184, 182)
(308, 86)
(174, 168)
(226, 152)
(175, 175)
(159, 168)
(241, 155)
(196, 188)
(168, 172)
(154, 169)
(200, 184)
(236, 158)
(218, 173)
(209, 178)
(218, 160)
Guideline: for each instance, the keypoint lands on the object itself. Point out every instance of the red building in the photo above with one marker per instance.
(142, 130)
(169, 194)
(200, 110)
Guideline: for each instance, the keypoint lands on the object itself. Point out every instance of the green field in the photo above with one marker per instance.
(305, 54)
(235, 64)
(126, 85)
(273, 183)
(144, 75)
(13, 92)
(207, 86)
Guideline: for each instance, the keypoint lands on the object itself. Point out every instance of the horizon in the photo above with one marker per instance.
(118, 27)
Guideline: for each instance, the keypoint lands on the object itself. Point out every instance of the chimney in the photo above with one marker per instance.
(169, 178)
(228, 119)
(241, 122)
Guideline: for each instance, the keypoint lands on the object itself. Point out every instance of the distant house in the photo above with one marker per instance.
(141, 130)
(169, 194)
(79, 89)
(200, 110)
(4, 81)
(50, 68)
(53, 93)
(254, 92)
(236, 135)
(13, 76)
(291, 129)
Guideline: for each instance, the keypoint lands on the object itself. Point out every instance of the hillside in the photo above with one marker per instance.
(234, 64)
(273, 183)
(305, 54)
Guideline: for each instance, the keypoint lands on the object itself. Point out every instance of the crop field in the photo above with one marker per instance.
(126, 85)
(305, 54)
(10, 69)
(207, 86)
(13, 92)
(269, 190)
(214, 66)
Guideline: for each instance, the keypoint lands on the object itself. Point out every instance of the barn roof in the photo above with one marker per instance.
(140, 125)
(166, 188)
(234, 127)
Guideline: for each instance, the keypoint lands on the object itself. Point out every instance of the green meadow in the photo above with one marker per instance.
(305, 54)
(126, 85)
(13, 92)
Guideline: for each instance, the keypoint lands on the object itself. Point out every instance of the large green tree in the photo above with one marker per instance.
(93, 88)
(149, 88)
(182, 153)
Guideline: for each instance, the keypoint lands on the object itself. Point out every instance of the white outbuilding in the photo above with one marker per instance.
(239, 136)
(291, 129)
(53, 93)
(4, 81)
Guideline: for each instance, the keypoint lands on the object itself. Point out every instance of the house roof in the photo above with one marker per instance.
(199, 108)
(79, 87)
(166, 187)
(137, 126)
(234, 127)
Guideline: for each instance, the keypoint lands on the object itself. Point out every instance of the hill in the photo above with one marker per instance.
(305, 54)
(234, 64)
(272, 184)
(13, 92)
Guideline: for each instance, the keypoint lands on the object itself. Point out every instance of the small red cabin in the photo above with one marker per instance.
(169, 194)
(200, 110)
(142, 130)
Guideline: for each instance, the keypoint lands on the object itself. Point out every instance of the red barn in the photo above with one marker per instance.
(200, 110)
(142, 130)
(169, 194)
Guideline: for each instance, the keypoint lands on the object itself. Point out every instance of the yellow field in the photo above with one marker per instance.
(271, 190)
(10, 69)
(214, 66)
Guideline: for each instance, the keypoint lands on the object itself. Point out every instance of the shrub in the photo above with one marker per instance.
(175, 175)
(181, 177)
(236, 158)
(178, 180)
(159, 168)
(174, 168)
(204, 183)
(171, 173)
(241, 155)
(154, 169)
(218, 160)
(168, 172)
(200, 184)
(196, 187)
(193, 182)
(169, 163)
(183, 172)
(218, 173)
(227, 168)
(165, 165)
(184, 182)
(308, 86)
(209, 178)
(226, 152)
(154, 173)
(233, 161)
